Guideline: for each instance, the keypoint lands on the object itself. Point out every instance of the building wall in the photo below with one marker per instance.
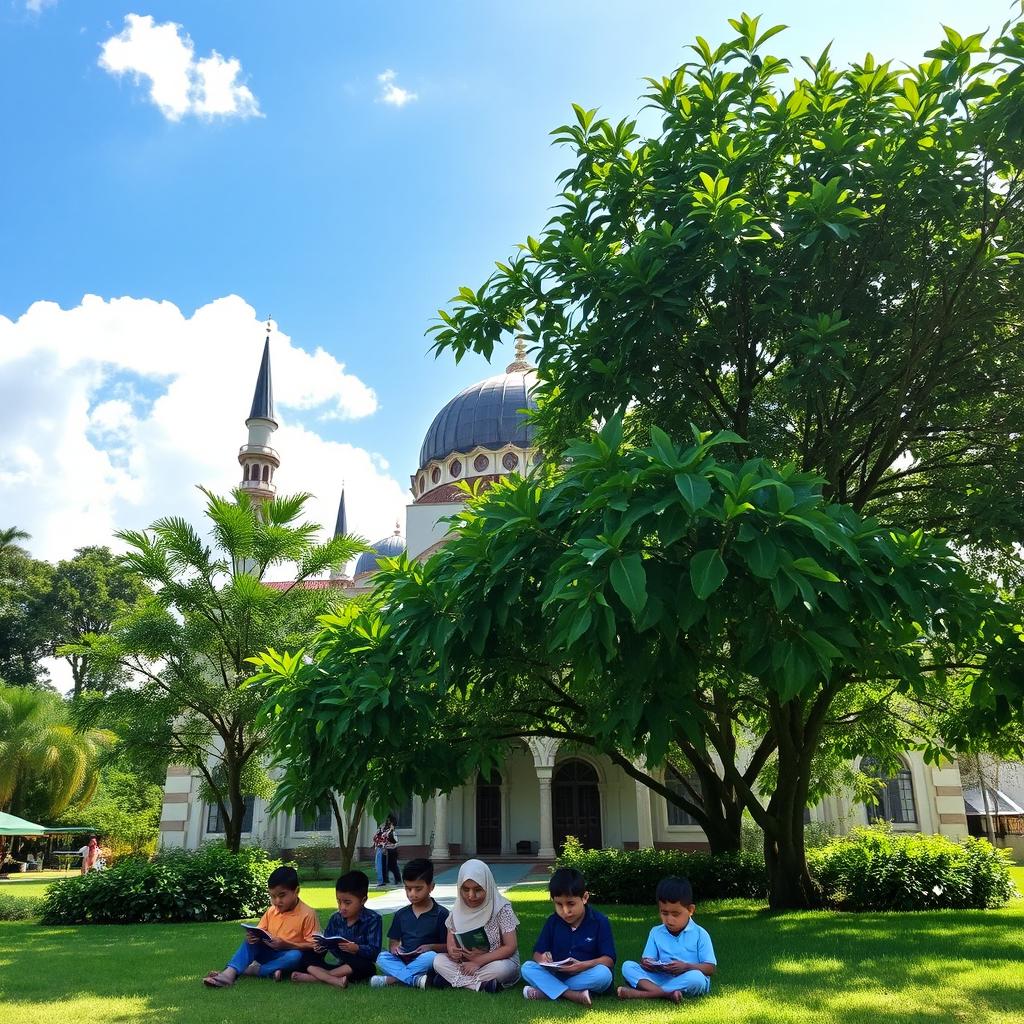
(631, 814)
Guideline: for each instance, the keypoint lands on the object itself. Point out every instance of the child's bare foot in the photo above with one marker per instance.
(676, 997)
(303, 976)
(218, 979)
(337, 982)
(581, 998)
(628, 992)
(252, 971)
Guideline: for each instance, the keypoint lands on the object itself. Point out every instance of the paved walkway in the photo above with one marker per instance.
(505, 875)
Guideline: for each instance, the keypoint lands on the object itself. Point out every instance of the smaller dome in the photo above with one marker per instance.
(388, 547)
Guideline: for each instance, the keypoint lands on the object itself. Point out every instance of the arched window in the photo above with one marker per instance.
(215, 823)
(266, 473)
(324, 822)
(403, 815)
(894, 801)
(245, 472)
(674, 781)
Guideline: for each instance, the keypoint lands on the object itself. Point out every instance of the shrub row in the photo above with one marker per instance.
(18, 908)
(629, 876)
(209, 884)
(877, 869)
(869, 869)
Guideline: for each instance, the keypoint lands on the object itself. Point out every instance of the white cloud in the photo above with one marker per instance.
(391, 92)
(36, 6)
(179, 84)
(115, 410)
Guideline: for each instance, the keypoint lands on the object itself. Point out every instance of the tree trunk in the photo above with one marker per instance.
(347, 835)
(790, 886)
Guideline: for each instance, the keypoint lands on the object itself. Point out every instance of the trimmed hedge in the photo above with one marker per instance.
(630, 876)
(878, 869)
(18, 908)
(209, 884)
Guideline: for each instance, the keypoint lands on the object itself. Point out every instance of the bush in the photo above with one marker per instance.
(18, 908)
(878, 869)
(314, 855)
(630, 876)
(210, 884)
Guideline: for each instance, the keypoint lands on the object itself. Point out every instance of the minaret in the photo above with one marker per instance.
(340, 530)
(257, 459)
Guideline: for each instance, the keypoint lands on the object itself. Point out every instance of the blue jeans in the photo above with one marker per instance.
(270, 960)
(406, 973)
(554, 983)
(378, 864)
(692, 983)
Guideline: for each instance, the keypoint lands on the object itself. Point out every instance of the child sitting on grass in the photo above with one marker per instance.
(358, 930)
(288, 921)
(678, 959)
(575, 932)
(483, 945)
(417, 933)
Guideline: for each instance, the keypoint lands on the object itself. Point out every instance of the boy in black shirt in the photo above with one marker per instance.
(417, 933)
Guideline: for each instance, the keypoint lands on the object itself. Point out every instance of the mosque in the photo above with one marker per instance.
(543, 792)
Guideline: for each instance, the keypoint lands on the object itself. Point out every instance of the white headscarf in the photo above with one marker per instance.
(466, 919)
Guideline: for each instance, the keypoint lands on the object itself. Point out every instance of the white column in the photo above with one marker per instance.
(547, 835)
(645, 825)
(440, 850)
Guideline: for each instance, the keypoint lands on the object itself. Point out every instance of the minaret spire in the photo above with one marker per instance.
(257, 458)
(340, 530)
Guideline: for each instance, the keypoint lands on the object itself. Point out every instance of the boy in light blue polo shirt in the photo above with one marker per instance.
(678, 959)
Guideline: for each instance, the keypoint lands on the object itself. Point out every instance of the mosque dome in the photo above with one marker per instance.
(487, 414)
(388, 547)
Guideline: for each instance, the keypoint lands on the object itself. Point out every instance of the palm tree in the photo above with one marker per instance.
(9, 538)
(45, 764)
(190, 646)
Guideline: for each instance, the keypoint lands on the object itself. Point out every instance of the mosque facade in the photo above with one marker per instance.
(543, 791)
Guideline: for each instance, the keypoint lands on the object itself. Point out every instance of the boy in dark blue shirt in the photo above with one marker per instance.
(357, 931)
(575, 952)
(417, 933)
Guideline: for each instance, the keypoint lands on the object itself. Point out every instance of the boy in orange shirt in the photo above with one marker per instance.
(290, 925)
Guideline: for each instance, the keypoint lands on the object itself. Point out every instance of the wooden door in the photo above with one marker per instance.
(488, 815)
(576, 804)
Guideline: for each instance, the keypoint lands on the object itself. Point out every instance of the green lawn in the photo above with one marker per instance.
(822, 967)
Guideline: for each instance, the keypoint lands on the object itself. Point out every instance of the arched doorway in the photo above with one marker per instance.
(488, 814)
(576, 804)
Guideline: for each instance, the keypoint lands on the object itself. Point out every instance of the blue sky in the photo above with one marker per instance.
(349, 219)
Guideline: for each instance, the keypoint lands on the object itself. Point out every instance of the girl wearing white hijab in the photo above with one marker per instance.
(483, 948)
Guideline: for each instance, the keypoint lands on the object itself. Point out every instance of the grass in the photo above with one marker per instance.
(799, 967)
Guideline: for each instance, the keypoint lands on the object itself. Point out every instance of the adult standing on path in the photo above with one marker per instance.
(90, 855)
(391, 850)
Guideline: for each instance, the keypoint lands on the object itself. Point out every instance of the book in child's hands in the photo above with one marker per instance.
(475, 939)
(328, 940)
(553, 965)
(255, 929)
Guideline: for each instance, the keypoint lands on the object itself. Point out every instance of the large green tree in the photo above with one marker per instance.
(626, 597)
(824, 259)
(25, 635)
(87, 593)
(189, 647)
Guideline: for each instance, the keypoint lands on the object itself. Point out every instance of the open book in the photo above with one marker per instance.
(475, 939)
(255, 929)
(554, 965)
(328, 940)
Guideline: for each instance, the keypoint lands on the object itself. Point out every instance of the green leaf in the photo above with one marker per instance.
(761, 555)
(696, 491)
(629, 579)
(707, 572)
(809, 567)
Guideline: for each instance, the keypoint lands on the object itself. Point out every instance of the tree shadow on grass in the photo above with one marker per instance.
(788, 968)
